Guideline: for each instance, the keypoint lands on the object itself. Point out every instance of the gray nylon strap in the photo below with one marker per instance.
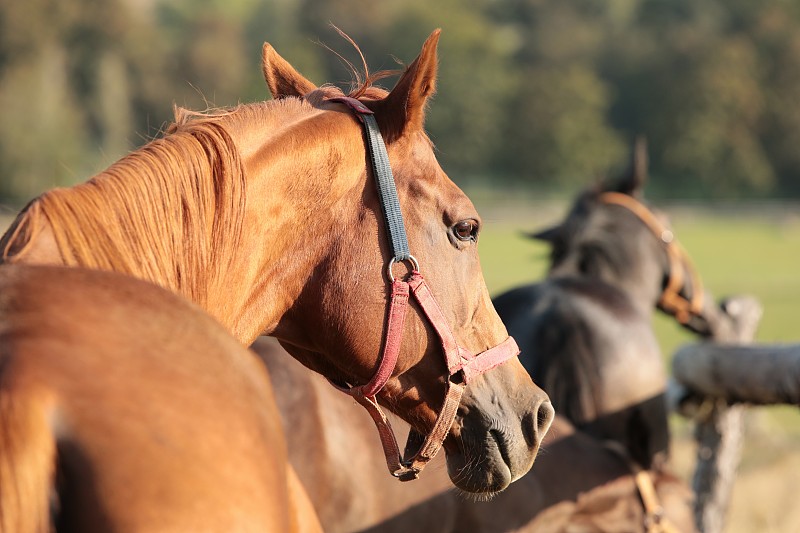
(386, 189)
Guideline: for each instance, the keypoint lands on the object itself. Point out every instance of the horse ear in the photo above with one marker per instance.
(403, 109)
(633, 181)
(283, 80)
(546, 235)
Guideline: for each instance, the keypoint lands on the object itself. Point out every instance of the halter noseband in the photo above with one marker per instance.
(671, 299)
(462, 365)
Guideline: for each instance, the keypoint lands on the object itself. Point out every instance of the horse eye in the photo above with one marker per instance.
(466, 230)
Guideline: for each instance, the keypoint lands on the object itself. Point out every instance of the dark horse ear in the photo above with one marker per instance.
(633, 181)
(283, 80)
(403, 110)
(546, 235)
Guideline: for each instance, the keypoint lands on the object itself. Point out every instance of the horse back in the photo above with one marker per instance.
(156, 418)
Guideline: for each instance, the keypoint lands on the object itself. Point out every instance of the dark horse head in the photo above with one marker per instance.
(585, 331)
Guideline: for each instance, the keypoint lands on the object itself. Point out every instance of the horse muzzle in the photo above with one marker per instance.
(496, 437)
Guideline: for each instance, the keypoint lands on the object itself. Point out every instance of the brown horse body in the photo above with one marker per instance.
(125, 408)
(578, 482)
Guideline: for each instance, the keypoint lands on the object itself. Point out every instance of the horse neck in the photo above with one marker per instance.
(640, 264)
(294, 212)
(179, 213)
(638, 282)
(644, 284)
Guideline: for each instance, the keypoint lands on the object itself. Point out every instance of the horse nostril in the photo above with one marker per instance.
(544, 417)
(529, 429)
(536, 423)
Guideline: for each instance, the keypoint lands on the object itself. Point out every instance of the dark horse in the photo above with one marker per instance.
(585, 331)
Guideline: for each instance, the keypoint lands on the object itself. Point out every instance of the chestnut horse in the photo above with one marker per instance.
(267, 215)
(586, 330)
(578, 483)
(123, 407)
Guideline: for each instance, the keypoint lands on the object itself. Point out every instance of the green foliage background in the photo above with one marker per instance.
(534, 94)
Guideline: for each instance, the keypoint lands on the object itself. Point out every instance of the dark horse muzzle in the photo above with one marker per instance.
(462, 365)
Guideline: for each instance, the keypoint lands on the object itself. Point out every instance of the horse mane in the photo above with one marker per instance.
(165, 212)
(573, 383)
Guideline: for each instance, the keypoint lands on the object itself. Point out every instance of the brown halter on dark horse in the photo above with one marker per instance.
(586, 329)
(672, 301)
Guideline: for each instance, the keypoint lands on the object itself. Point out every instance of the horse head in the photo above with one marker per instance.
(337, 317)
(611, 234)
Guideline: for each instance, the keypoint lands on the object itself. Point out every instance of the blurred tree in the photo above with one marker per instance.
(476, 79)
(695, 91)
(475, 76)
(540, 91)
(206, 47)
(556, 132)
(43, 134)
(556, 124)
(775, 28)
(49, 79)
(277, 22)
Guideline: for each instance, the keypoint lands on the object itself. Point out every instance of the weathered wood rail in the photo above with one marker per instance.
(753, 374)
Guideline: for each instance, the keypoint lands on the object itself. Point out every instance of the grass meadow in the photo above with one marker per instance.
(746, 249)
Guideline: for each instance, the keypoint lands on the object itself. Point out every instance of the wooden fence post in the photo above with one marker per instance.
(719, 426)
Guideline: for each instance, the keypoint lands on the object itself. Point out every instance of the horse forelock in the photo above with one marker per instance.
(363, 91)
(170, 212)
(362, 85)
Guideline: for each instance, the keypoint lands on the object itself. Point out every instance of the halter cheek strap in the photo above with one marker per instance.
(462, 365)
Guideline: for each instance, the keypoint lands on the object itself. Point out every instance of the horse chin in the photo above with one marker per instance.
(485, 471)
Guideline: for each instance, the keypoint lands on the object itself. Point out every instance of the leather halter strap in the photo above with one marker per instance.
(655, 520)
(680, 265)
(462, 365)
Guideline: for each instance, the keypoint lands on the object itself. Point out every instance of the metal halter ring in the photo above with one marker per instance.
(411, 259)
